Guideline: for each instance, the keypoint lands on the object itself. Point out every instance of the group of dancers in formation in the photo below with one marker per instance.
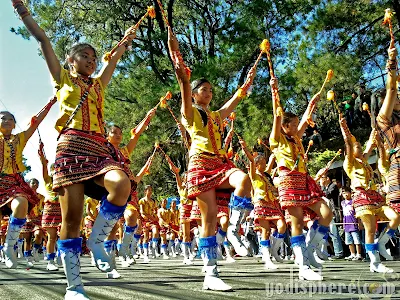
(213, 191)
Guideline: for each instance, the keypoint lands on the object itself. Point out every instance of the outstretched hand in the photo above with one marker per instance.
(392, 52)
(172, 40)
(273, 82)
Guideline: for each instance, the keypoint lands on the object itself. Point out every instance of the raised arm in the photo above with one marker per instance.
(305, 119)
(52, 61)
(143, 170)
(347, 138)
(271, 163)
(371, 144)
(138, 130)
(252, 167)
(44, 162)
(36, 120)
(231, 104)
(109, 67)
(391, 85)
(277, 123)
(182, 77)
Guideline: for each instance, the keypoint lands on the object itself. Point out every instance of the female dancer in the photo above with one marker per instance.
(297, 189)
(86, 163)
(16, 196)
(266, 206)
(209, 169)
(51, 219)
(367, 202)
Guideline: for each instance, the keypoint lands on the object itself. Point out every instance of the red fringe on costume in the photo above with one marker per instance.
(51, 215)
(207, 171)
(267, 210)
(297, 189)
(366, 200)
(14, 185)
(81, 156)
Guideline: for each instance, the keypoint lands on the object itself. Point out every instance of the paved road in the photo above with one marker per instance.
(170, 280)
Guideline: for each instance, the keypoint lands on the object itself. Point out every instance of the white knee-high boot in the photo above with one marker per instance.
(383, 239)
(375, 264)
(70, 251)
(301, 253)
(266, 252)
(208, 248)
(109, 215)
(13, 231)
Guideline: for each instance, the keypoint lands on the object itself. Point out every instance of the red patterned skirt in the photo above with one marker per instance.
(297, 189)
(14, 185)
(366, 200)
(185, 212)
(51, 215)
(223, 198)
(207, 171)
(267, 210)
(81, 156)
(28, 227)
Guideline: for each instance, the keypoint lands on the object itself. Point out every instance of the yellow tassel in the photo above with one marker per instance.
(232, 116)
(163, 103)
(151, 11)
(329, 75)
(107, 57)
(279, 111)
(388, 16)
(241, 93)
(168, 96)
(265, 46)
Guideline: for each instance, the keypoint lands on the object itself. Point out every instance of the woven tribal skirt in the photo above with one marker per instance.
(51, 214)
(366, 201)
(267, 210)
(12, 186)
(81, 156)
(3, 229)
(297, 189)
(207, 171)
(223, 198)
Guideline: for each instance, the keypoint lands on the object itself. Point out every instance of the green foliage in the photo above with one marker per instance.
(319, 160)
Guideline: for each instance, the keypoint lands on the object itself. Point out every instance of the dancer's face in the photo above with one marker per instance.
(357, 150)
(291, 127)
(346, 195)
(7, 123)
(173, 205)
(261, 165)
(84, 62)
(115, 136)
(149, 192)
(34, 185)
(203, 94)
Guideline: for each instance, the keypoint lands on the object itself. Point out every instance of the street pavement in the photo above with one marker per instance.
(169, 279)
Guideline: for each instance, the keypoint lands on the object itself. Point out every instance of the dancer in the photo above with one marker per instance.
(51, 219)
(297, 190)
(147, 208)
(266, 206)
(209, 169)
(96, 169)
(368, 203)
(16, 196)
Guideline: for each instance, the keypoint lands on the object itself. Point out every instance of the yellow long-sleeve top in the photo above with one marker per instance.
(11, 158)
(205, 138)
(174, 215)
(148, 207)
(360, 173)
(165, 215)
(262, 188)
(287, 151)
(90, 116)
(183, 195)
(51, 196)
(37, 210)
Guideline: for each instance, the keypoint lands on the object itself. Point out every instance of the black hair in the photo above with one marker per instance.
(346, 189)
(75, 49)
(4, 112)
(330, 176)
(195, 85)
(34, 180)
(146, 187)
(258, 158)
(111, 127)
(355, 93)
(288, 117)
